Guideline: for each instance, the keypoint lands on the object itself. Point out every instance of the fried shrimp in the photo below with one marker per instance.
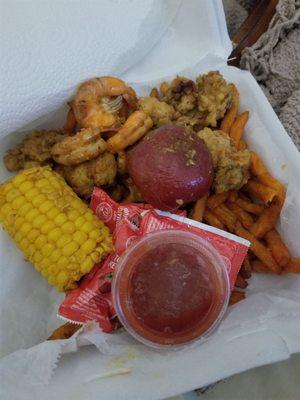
(85, 145)
(103, 102)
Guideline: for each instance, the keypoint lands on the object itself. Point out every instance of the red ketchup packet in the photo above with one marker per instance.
(128, 222)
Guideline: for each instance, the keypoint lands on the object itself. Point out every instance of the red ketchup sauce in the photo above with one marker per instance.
(170, 288)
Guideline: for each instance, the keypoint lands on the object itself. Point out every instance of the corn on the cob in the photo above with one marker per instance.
(56, 231)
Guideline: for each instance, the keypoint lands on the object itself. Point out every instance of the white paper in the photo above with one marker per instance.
(262, 329)
(50, 46)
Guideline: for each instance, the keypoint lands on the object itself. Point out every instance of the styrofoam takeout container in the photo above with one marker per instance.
(260, 330)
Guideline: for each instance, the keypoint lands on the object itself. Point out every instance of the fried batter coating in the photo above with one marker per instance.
(231, 166)
(34, 150)
(214, 97)
(97, 172)
(199, 104)
(160, 112)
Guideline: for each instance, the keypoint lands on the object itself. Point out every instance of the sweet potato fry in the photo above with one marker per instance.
(259, 266)
(198, 209)
(64, 331)
(260, 171)
(217, 199)
(226, 217)
(154, 93)
(293, 266)
(267, 219)
(260, 250)
(70, 123)
(236, 296)
(243, 216)
(212, 220)
(278, 249)
(240, 282)
(233, 195)
(231, 112)
(262, 192)
(237, 128)
(248, 206)
(242, 145)
(245, 270)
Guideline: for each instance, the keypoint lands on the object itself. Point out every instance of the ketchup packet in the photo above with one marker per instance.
(129, 222)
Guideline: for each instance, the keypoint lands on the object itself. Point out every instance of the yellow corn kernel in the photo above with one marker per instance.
(87, 227)
(40, 241)
(33, 234)
(24, 209)
(47, 227)
(79, 222)
(63, 241)
(68, 227)
(31, 215)
(54, 256)
(60, 219)
(89, 246)
(25, 186)
(18, 202)
(52, 213)
(80, 237)
(55, 234)
(70, 248)
(53, 227)
(87, 265)
(25, 228)
(31, 194)
(46, 206)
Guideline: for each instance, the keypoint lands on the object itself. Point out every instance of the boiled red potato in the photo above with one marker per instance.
(171, 167)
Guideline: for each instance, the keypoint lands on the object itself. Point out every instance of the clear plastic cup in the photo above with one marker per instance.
(170, 288)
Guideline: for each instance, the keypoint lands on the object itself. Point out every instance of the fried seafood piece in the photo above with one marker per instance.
(231, 166)
(97, 172)
(160, 112)
(103, 102)
(214, 97)
(33, 151)
(199, 104)
(182, 94)
(85, 145)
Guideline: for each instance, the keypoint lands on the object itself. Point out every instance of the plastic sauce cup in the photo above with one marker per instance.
(170, 288)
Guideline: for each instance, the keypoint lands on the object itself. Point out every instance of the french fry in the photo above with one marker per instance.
(278, 249)
(245, 270)
(212, 220)
(293, 266)
(233, 195)
(154, 93)
(240, 282)
(242, 145)
(70, 123)
(259, 266)
(262, 192)
(64, 331)
(260, 250)
(226, 217)
(232, 111)
(267, 219)
(248, 206)
(198, 209)
(259, 170)
(237, 128)
(243, 216)
(236, 296)
(217, 199)
(163, 88)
